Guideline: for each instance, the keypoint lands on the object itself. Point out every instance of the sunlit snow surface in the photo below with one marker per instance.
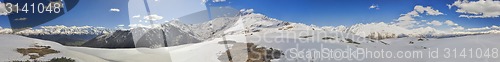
(209, 50)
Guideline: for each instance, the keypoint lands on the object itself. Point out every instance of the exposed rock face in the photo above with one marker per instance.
(249, 52)
(167, 35)
(118, 39)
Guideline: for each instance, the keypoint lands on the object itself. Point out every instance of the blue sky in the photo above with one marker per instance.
(348, 12)
(318, 12)
(88, 12)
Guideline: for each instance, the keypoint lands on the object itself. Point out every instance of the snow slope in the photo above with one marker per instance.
(206, 51)
(472, 41)
(209, 50)
(200, 52)
(290, 41)
(11, 42)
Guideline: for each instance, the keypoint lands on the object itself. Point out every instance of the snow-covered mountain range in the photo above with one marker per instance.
(66, 35)
(170, 34)
(383, 30)
(252, 22)
(246, 23)
(249, 22)
(58, 30)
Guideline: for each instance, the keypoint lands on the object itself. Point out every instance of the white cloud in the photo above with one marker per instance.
(143, 26)
(406, 24)
(114, 10)
(121, 25)
(407, 20)
(458, 28)
(495, 27)
(450, 23)
(478, 9)
(3, 10)
(484, 28)
(435, 23)
(205, 1)
(472, 16)
(373, 7)
(247, 10)
(479, 29)
(454, 25)
(449, 6)
(153, 17)
(21, 19)
(413, 14)
(136, 16)
(218, 0)
(137, 25)
(428, 10)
